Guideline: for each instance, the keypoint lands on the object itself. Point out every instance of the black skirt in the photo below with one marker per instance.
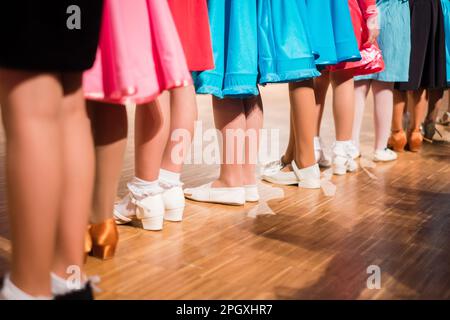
(428, 58)
(49, 35)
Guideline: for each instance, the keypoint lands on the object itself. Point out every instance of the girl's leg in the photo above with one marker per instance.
(419, 103)
(321, 85)
(230, 120)
(361, 90)
(254, 122)
(400, 102)
(109, 127)
(384, 99)
(343, 104)
(152, 126)
(288, 156)
(436, 96)
(304, 111)
(183, 111)
(78, 178)
(31, 107)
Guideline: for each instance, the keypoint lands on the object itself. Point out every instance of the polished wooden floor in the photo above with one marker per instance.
(294, 244)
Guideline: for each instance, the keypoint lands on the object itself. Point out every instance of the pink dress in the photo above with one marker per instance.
(139, 55)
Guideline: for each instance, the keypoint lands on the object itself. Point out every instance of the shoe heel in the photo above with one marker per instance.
(153, 223)
(397, 141)
(104, 252)
(174, 215)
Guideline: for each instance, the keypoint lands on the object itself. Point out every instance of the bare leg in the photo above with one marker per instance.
(419, 103)
(31, 110)
(254, 120)
(361, 90)
(343, 104)
(400, 102)
(78, 178)
(289, 155)
(303, 104)
(110, 129)
(229, 116)
(183, 112)
(435, 101)
(321, 85)
(383, 94)
(152, 125)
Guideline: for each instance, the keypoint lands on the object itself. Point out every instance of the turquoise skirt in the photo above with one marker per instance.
(446, 12)
(394, 41)
(331, 30)
(256, 42)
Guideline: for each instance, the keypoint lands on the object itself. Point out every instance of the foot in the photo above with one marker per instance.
(150, 210)
(174, 203)
(251, 193)
(124, 210)
(308, 178)
(281, 175)
(322, 159)
(397, 141)
(343, 161)
(415, 140)
(273, 167)
(234, 196)
(429, 129)
(353, 151)
(104, 237)
(384, 155)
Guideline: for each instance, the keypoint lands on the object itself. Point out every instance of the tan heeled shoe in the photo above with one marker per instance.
(415, 140)
(397, 141)
(104, 238)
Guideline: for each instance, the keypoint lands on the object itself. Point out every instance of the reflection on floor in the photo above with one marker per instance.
(294, 244)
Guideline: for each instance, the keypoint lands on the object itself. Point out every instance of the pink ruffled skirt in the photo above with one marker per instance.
(139, 55)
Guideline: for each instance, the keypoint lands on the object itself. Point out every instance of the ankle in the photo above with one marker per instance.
(169, 178)
(227, 183)
(141, 188)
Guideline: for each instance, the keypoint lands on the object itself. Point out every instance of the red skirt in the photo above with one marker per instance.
(191, 19)
(372, 61)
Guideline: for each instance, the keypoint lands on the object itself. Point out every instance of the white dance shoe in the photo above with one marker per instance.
(174, 203)
(308, 178)
(322, 159)
(173, 206)
(343, 158)
(124, 210)
(272, 173)
(384, 155)
(230, 196)
(251, 193)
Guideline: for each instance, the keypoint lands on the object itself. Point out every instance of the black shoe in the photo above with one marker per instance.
(82, 294)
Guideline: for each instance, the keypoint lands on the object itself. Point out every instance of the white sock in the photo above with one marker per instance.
(60, 285)
(11, 292)
(142, 188)
(342, 144)
(169, 179)
(317, 145)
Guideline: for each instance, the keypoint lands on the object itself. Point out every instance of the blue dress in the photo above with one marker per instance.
(256, 42)
(446, 12)
(332, 34)
(394, 41)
